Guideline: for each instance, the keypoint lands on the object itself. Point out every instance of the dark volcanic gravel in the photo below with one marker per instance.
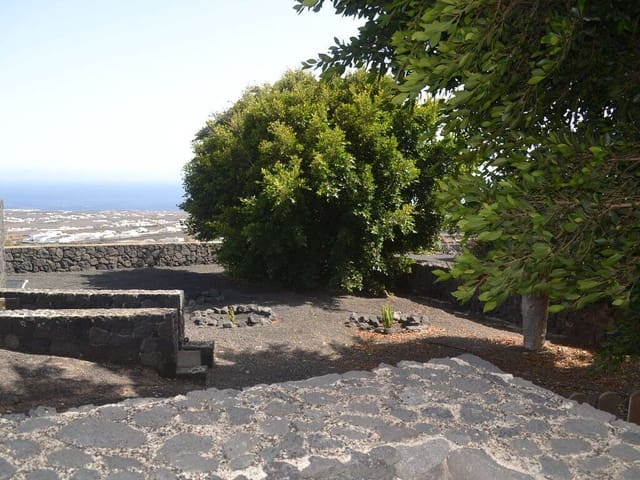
(309, 337)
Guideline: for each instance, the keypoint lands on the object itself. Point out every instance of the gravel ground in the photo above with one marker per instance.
(308, 338)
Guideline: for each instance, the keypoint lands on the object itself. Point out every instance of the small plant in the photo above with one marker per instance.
(387, 316)
(232, 315)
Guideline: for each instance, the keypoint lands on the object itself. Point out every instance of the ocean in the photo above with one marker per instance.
(72, 213)
(87, 197)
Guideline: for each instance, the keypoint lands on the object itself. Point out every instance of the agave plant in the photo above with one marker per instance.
(387, 316)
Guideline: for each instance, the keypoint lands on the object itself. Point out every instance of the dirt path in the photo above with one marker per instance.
(309, 338)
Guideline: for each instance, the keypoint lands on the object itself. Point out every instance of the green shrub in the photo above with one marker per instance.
(317, 183)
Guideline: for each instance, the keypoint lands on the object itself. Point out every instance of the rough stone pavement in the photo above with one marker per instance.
(458, 418)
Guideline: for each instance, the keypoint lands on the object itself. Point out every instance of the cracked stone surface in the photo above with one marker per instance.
(449, 419)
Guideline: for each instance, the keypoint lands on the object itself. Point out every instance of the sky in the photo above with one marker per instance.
(115, 90)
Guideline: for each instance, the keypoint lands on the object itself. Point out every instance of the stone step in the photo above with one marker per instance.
(191, 349)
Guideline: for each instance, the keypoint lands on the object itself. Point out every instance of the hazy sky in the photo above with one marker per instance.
(115, 90)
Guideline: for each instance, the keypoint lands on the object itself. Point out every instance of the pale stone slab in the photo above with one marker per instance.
(92, 432)
(475, 464)
(634, 408)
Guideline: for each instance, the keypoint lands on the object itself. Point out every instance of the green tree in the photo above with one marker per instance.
(315, 183)
(543, 98)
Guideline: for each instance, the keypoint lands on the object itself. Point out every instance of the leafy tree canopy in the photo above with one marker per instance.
(317, 182)
(543, 97)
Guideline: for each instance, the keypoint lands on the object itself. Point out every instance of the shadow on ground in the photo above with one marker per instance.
(193, 283)
(28, 381)
(281, 363)
(48, 383)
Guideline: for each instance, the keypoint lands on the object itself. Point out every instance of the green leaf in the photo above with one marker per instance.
(597, 151)
(523, 166)
(535, 80)
(541, 249)
(464, 294)
(550, 39)
(420, 36)
(490, 305)
(581, 5)
(442, 275)
(585, 285)
(612, 260)
(490, 236)
(558, 273)
(565, 149)
(485, 296)
(556, 308)
(589, 299)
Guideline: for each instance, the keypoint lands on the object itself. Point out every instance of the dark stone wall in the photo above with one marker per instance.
(144, 336)
(143, 327)
(75, 258)
(19, 299)
(68, 299)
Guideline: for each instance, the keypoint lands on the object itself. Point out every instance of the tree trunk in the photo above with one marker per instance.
(534, 320)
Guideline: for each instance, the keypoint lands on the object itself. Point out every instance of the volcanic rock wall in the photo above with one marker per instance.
(140, 327)
(75, 258)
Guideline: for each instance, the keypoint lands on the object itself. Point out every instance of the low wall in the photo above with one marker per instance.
(19, 299)
(75, 258)
(119, 326)
(124, 336)
(586, 326)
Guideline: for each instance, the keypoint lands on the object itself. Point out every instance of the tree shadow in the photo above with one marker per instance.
(29, 381)
(61, 384)
(195, 281)
(502, 319)
(280, 363)
(453, 307)
(159, 278)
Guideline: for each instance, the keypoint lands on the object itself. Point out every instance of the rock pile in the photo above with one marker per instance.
(233, 316)
(403, 323)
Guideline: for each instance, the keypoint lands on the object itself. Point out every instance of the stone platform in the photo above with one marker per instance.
(452, 419)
